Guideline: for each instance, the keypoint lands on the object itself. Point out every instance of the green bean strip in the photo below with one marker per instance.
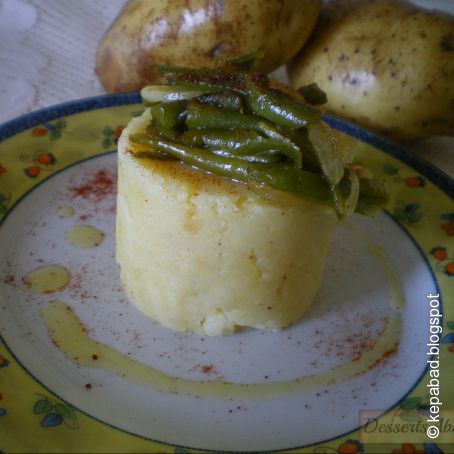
(239, 141)
(154, 130)
(155, 133)
(200, 116)
(264, 158)
(345, 194)
(226, 100)
(279, 176)
(299, 138)
(313, 94)
(373, 196)
(209, 79)
(168, 114)
(142, 147)
(296, 181)
(246, 62)
(323, 146)
(278, 107)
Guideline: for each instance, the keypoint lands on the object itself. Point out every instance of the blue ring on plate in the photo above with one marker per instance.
(29, 120)
(435, 175)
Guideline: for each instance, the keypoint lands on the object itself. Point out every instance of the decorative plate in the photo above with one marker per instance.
(82, 371)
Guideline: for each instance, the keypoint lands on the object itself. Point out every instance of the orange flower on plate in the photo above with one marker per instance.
(45, 159)
(118, 131)
(32, 171)
(449, 269)
(407, 448)
(350, 447)
(448, 228)
(39, 131)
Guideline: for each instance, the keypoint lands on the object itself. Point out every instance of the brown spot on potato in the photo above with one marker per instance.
(217, 50)
(447, 43)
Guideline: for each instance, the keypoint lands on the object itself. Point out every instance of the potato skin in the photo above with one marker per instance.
(385, 64)
(196, 33)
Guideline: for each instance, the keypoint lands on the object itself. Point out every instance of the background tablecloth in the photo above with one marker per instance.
(47, 56)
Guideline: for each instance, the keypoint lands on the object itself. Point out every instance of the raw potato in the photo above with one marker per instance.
(197, 32)
(201, 253)
(385, 64)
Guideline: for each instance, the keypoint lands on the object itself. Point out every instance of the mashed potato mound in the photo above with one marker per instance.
(204, 254)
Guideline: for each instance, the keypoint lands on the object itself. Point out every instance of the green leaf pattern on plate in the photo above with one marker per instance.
(55, 413)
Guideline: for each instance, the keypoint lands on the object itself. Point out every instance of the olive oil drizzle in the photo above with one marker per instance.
(70, 336)
(47, 279)
(84, 236)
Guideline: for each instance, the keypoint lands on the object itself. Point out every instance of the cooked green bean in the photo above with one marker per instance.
(246, 62)
(168, 114)
(211, 117)
(345, 194)
(164, 133)
(313, 94)
(372, 193)
(240, 141)
(224, 100)
(209, 79)
(279, 176)
(300, 138)
(264, 158)
(278, 107)
(373, 196)
(326, 155)
(141, 142)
